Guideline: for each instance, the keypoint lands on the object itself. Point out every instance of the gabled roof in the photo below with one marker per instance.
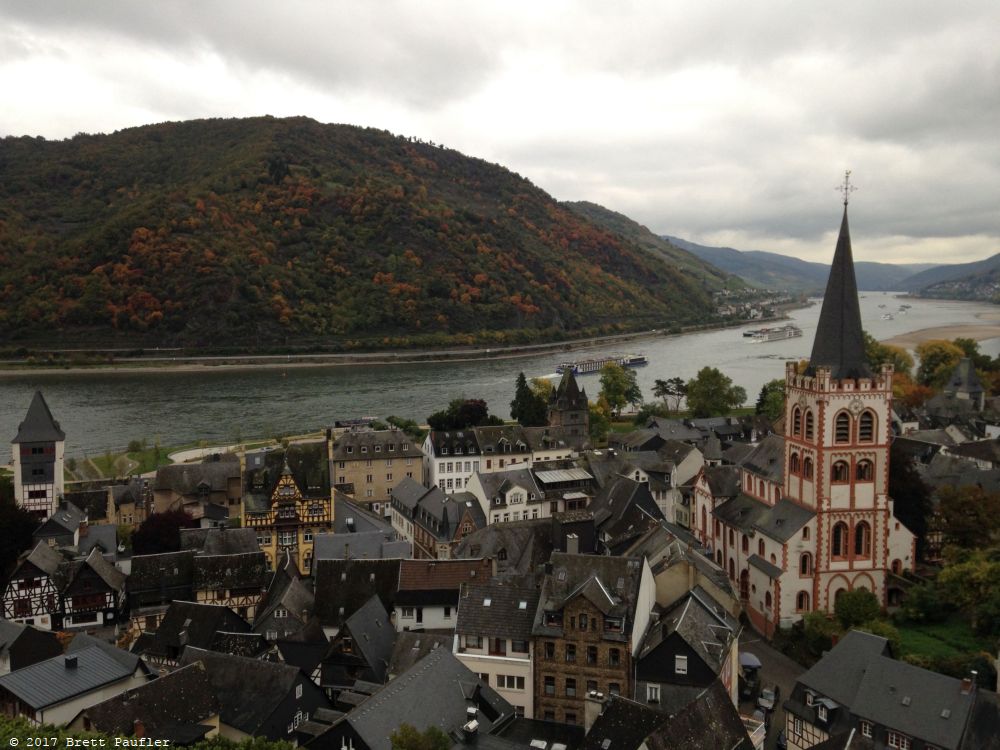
(519, 547)
(342, 586)
(839, 342)
(742, 512)
(187, 479)
(497, 482)
(784, 520)
(709, 722)
(436, 691)
(413, 645)
(23, 645)
(374, 545)
(964, 379)
(445, 442)
(491, 436)
(767, 460)
(220, 541)
(248, 690)
(673, 429)
(45, 559)
(107, 572)
(65, 520)
(839, 673)
(374, 637)
(162, 571)
(622, 725)
(183, 697)
(496, 611)
(102, 537)
(309, 468)
(240, 571)
(38, 425)
(53, 681)
(615, 580)
(723, 481)
(702, 622)
(429, 581)
(82, 640)
(191, 624)
(252, 645)
(390, 445)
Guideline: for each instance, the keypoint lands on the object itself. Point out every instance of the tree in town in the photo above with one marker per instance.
(912, 497)
(856, 607)
(672, 391)
(912, 395)
(710, 393)
(528, 408)
(161, 532)
(600, 420)
(543, 388)
(17, 524)
(979, 360)
(879, 354)
(408, 737)
(771, 400)
(968, 516)
(461, 414)
(619, 387)
(937, 359)
(971, 580)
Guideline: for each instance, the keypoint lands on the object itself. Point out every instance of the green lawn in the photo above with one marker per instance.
(948, 639)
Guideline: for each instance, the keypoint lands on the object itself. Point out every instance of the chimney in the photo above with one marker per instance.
(469, 730)
(969, 683)
(138, 728)
(572, 544)
(70, 662)
(593, 707)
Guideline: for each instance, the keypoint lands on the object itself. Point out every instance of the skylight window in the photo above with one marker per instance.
(487, 602)
(522, 605)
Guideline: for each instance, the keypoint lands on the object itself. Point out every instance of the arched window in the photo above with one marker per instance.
(760, 547)
(732, 571)
(704, 520)
(732, 538)
(777, 494)
(838, 546)
(840, 472)
(802, 602)
(807, 468)
(866, 427)
(810, 425)
(762, 491)
(767, 599)
(718, 557)
(718, 529)
(842, 428)
(793, 463)
(796, 421)
(862, 540)
(805, 564)
(746, 544)
(805, 533)
(864, 471)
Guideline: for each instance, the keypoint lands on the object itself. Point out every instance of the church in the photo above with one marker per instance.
(812, 517)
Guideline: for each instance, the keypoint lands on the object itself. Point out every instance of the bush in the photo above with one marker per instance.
(819, 630)
(924, 603)
(855, 607)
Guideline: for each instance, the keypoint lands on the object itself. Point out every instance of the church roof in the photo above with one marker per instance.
(568, 392)
(38, 425)
(839, 342)
(964, 379)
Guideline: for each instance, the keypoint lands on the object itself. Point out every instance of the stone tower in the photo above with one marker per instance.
(568, 407)
(39, 453)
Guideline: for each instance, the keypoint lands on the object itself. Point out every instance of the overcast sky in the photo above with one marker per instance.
(726, 123)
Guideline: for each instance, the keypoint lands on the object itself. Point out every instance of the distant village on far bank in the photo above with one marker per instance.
(704, 582)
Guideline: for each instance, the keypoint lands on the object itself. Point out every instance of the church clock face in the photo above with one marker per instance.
(856, 406)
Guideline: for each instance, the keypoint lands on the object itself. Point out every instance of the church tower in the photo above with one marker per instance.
(837, 432)
(568, 407)
(39, 452)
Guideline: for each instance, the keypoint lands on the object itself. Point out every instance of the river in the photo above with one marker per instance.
(101, 410)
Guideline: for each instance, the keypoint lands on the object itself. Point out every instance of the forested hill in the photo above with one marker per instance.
(278, 231)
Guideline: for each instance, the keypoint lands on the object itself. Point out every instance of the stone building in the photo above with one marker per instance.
(39, 451)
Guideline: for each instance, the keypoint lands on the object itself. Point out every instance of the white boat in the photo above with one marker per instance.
(587, 366)
(781, 333)
(888, 316)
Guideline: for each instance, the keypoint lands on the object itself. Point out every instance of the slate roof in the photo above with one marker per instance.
(771, 570)
(248, 690)
(839, 342)
(435, 692)
(185, 479)
(742, 512)
(82, 641)
(520, 732)
(624, 508)
(374, 545)
(94, 503)
(240, 571)
(49, 682)
(351, 518)
(36, 645)
(980, 450)
(519, 547)
(710, 722)
(839, 673)
(112, 577)
(737, 452)
(623, 725)
(509, 614)
(783, 520)
(65, 520)
(178, 698)
(981, 733)
(45, 559)
(306, 655)
(490, 436)
(102, 537)
(568, 394)
(220, 541)
(38, 425)
(673, 429)
(768, 459)
(188, 624)
(723, 481)
(411, 646)
(309, 467)
(374, 637)
(438, 581)
(239, 644)
(964, 379)
(342, 586)
(132, 492)
(356, 439)
(445, 442)
(161, 572)
(494, 483)
(703, 624)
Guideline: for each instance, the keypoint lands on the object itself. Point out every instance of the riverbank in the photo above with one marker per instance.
(989, 329)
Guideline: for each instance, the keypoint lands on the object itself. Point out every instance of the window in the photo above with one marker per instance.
(614, 657)
(298, 691)
(519, 647)
(805, 533)
(591, 654)
(866, 728)
(862, 540)
(809, 425)
(550, 650)
(307, 536)
(510, 682)
(802, 602)
(797, 726)
(745, 544)
(767, 600)
(842, 428)
(821, 712)
(865, 471)
(653, 693)
(280, 613)
(570, 717)
(866, 427)
(898, 740)
(760, 547)
(407, 612)
(839, 472)
(447, 613)
(583, 622)
(807, 468)
(550, 685)
(838, 547)
(570, 687)
(614, 688)
(680, 665)
(794, 464)
(796, 421)
(570, 652)
(805, 564)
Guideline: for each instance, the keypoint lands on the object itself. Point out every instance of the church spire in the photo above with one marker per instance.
(840, 343)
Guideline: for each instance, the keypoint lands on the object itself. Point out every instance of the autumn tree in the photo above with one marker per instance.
(161, 532)
(671, 390)
(528, 408)
(937, 359)
(771, 400)
(619, 387)
(600, 420)
(971, 581)
(710, 393)
(968, 516)
(408, 737)
(879, 354)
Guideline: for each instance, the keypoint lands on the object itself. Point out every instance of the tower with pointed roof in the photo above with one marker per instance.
(836, 454)
(568, 407)
(39, 454)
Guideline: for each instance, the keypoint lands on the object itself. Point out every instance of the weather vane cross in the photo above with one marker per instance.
(846, 188)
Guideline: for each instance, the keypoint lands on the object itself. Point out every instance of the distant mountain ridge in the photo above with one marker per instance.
(264, 231)
(775, 271)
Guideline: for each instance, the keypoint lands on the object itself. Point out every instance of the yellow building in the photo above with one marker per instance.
(287, 500)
